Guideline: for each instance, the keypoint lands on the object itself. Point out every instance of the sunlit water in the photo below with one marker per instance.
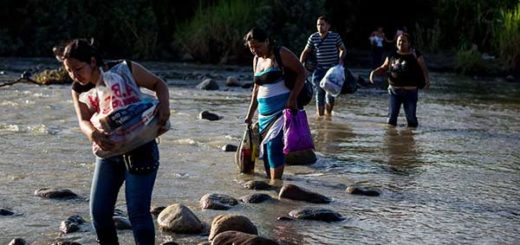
(454, 180)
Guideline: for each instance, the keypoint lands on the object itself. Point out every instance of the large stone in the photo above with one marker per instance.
(297, 193)
(208, 84)
(5, 212)
(305, 157)
(229, 148)
(255, 198)
(236, 237)
(232, 81)
(71, 224)
(217, 201)
(55, 193)
(209, 116)
(179, 219)
(316, 214)
(362, 191)
(18, 241)
(257, 185)
(223, 223)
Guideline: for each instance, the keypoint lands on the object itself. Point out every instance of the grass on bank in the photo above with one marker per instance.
(215, 32)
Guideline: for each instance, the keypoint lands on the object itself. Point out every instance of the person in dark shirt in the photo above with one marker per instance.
(406, 72)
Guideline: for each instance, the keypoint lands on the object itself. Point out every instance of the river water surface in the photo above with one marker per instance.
(453, 180)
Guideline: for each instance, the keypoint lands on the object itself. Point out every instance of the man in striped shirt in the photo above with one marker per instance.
(330, 51)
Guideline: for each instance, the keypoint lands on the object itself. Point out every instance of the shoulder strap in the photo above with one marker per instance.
(255, 64)
(279, 59)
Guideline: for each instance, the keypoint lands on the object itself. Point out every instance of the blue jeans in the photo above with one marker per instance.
(409, 100)
(109, 175)
(321, 95)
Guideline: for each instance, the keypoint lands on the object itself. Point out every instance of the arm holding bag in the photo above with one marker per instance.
(130, 127)
(297, 134)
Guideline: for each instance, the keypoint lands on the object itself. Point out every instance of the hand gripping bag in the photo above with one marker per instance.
(130, 127)
(126, 115)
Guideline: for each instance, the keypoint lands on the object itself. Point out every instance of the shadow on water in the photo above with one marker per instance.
(401, 151)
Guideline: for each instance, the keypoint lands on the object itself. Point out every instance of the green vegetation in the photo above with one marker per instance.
(428, 39)
(508, 38)
(57, 76)
(469, 62)
(215, 32)
(211, 31)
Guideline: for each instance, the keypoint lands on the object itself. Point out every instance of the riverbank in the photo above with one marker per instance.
(442, 62)
(13, 67)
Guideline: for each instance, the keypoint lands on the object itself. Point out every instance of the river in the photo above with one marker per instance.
(453, 180)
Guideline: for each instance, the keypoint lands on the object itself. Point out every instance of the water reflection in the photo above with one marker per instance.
(400, 150)
(287, 233)
(330, 134)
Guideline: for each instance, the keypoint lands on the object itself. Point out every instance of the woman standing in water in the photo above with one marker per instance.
(86, 68)
(270, 96)
(407, 73)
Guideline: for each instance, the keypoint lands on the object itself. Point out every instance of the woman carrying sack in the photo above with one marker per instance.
(86, 68)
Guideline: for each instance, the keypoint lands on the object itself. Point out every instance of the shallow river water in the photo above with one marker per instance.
(453, 180)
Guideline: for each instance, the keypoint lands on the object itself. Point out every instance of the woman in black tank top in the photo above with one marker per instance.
(406, 73)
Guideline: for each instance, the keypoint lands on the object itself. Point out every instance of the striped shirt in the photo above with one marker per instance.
(327, 53)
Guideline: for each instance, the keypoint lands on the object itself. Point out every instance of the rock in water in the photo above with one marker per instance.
(316, 214)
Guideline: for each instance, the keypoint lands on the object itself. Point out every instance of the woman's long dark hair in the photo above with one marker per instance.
(259, 35)
(80, 49)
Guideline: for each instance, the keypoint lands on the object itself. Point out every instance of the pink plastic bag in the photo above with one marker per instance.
(297, 134)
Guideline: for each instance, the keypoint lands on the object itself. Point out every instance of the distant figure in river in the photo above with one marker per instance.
(270, 96)
(330, 51)
(87, 69)
(377, 43)
(407, 73)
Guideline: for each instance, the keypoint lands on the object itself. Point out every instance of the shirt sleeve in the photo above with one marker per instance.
(309, 42)
(90, 99)
(339, 42)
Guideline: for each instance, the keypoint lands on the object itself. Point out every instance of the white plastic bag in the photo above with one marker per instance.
(333, 80)
(126, 115)
(130, 127)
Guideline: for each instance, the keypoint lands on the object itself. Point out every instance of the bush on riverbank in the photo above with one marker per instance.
(508, 39)
(47, 77)
(215, 32)
(469, 62)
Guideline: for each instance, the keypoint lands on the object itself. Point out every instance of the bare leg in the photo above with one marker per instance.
(321, 110)
(329, 108)
(276, 173)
